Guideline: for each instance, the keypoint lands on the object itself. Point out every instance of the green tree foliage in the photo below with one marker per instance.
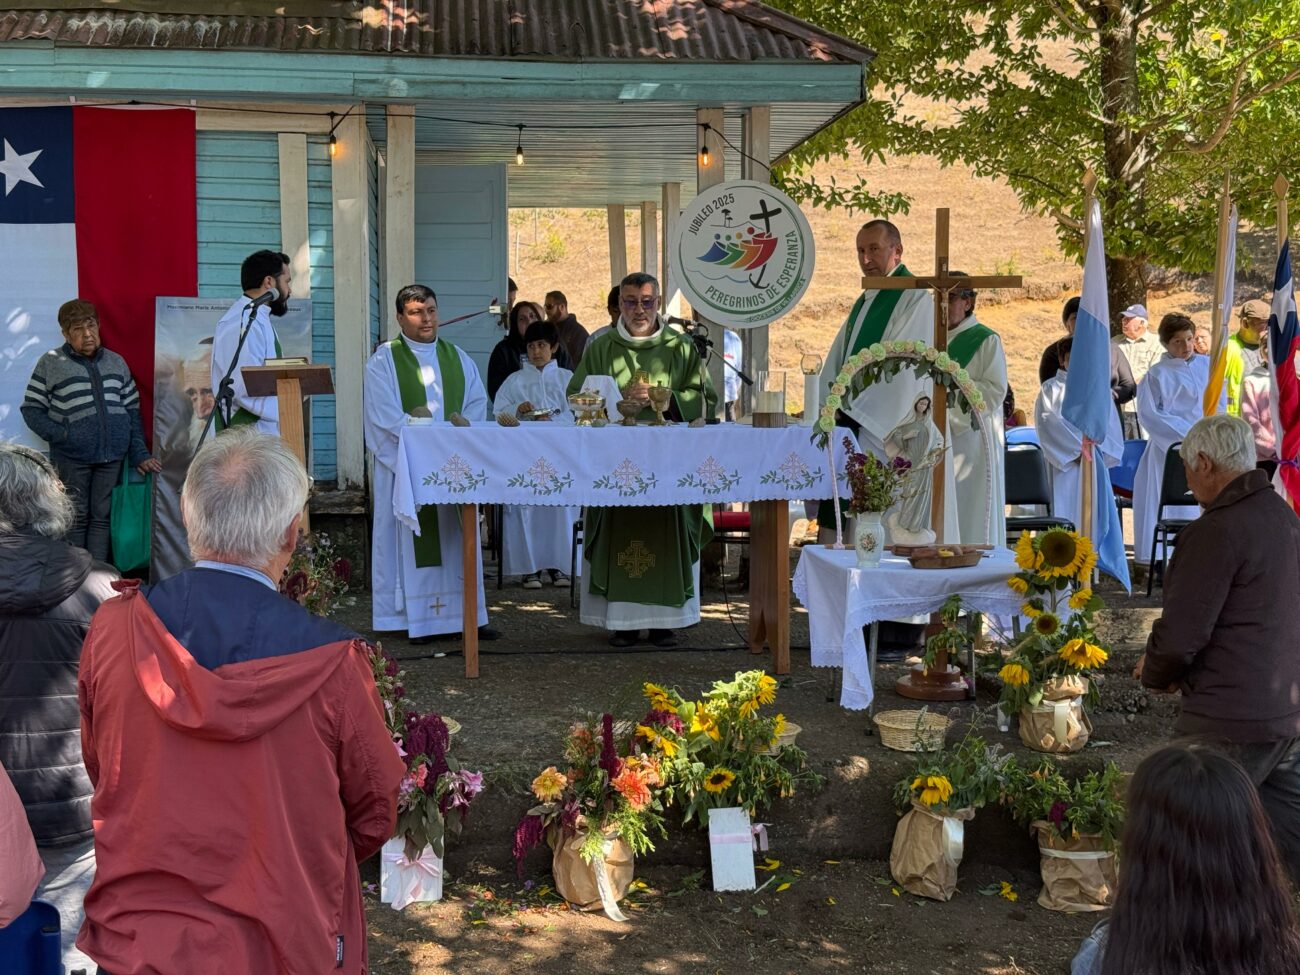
(1161, 98)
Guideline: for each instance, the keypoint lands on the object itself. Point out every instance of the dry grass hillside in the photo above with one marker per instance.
(568, 250)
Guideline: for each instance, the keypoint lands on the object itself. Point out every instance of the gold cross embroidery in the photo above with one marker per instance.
(437, 605)
(636, 559)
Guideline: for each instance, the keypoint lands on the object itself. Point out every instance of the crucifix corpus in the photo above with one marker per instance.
(943, 682)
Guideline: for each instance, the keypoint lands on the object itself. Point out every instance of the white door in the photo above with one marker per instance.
(462, 248)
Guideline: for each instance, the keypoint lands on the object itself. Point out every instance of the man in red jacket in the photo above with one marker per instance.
(237, 747)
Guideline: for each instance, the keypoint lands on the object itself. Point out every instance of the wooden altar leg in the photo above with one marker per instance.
(288, 394)
(769, 581)
(469, 596)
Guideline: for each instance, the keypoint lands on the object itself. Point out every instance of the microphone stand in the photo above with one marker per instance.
(698, 333)
(224, 395)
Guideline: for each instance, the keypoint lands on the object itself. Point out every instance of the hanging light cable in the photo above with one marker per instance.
(519, 146)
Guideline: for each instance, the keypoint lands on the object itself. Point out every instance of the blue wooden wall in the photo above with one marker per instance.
(238, 197)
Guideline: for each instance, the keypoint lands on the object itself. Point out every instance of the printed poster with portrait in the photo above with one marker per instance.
(183, 401)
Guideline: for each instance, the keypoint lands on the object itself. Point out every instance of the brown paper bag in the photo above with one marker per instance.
(1078, 874)
(1060, 725)
(1064, 688)
(580, 883)
(927, 849)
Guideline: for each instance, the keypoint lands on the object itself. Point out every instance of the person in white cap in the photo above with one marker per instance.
(1141, 348)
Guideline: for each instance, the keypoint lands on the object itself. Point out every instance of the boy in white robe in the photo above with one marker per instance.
(417, 583)
(1062, 445)
(537, 538)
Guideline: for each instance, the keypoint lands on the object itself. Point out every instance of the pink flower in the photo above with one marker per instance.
(665, 719)
(342, 570)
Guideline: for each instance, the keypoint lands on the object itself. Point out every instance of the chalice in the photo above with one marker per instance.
(629, 408)
(660, 397)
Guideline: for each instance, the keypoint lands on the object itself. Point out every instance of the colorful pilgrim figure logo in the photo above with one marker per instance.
(746, 250)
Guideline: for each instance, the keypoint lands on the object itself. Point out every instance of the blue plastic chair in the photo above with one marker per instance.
(1022, 435)
(30, 945)
(1123, 475)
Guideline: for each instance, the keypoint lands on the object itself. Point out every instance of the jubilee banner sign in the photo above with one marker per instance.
(744, 253)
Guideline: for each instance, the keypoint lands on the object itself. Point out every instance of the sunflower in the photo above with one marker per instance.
(1081, 598)
(658, 698)
(778, 729)
(1047, 624)
(1017, 584)
(661, 742)
(935, 789)
(550, 784)
(766, 690)
(719, 780)
(1079, 654)
(1032, 609)
(1026, 557)
(704, 721)
(1017, 675)
(1062, 552)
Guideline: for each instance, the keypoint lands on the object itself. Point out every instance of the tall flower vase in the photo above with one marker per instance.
(868, 538)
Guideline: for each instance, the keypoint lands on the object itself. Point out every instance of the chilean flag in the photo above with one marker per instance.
(1283, 338)
(98, 204)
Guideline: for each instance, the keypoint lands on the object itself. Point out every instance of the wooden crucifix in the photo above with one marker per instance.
(943, 284)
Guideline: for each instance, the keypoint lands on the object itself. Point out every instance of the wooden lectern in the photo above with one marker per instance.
(289, 384)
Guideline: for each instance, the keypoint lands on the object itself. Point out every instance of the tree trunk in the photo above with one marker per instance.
(1121, 192)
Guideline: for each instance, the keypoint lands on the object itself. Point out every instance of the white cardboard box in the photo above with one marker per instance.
(403, 881)
(731, 848)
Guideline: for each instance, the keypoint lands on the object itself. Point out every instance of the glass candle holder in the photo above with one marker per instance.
(769, 391)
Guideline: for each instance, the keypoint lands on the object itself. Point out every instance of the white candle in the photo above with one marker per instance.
(811, 399)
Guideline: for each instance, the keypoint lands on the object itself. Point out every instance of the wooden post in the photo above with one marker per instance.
(469, 593)
(1280, 188)
(1086, 475)
(399, 210)
(617, 244)
(706, 176)
(294, 239)
(769, 568)
(672, 209)
(1220, 311)
(650, 239)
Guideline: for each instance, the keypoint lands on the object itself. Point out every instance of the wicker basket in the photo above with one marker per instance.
(912, 731)
(786, 737)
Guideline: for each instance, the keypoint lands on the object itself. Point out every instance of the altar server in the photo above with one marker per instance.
(267, 281)
(1063, 444)
(1168, 403)
(417, 581)
(537, 538)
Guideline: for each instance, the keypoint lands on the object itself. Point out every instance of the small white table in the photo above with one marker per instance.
(841, 599)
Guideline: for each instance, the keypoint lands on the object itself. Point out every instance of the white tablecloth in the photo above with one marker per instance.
(551, 464)
(841, 599)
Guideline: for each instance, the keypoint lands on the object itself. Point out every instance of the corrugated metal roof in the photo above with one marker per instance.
(575, 30)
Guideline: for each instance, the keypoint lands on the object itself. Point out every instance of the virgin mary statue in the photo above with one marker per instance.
(915, 439)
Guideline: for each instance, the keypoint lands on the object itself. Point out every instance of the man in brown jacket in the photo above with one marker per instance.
(1229, 633)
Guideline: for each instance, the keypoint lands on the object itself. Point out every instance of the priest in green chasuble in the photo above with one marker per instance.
(981, 490)
(642, 568)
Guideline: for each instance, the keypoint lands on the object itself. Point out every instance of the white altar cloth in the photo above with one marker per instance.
(841, 599)
(614, 466)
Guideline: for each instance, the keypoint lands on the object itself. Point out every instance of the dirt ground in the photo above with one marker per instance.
(840, 912)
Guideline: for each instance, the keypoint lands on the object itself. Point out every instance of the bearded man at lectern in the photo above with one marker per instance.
(266, 278)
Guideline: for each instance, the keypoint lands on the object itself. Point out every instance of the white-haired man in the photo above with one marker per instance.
(241, 763)
(48, 592)
(1230, 626)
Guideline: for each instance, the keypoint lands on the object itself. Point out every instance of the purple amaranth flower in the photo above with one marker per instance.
(426, 734)
(342, 570)
(570, 813)
(609, 759)
(900, 463)
(527, 835)
(665, 719)
(1057, 813)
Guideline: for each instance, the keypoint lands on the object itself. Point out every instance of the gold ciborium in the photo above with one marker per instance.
(588, 407)
(629, 408)
(660, 397)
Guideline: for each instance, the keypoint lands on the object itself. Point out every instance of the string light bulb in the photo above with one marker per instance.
(704, 145)
(519, 147)
(334, 145)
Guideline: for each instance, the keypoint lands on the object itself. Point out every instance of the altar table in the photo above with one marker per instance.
(841, 599)
(613, 466)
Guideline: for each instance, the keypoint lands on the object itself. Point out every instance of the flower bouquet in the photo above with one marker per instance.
(1045, 678)
(433, 799)
(1076, 824)
(874, 486)
(936, 802)
(723, 764)
(597, 815)
(316, 576)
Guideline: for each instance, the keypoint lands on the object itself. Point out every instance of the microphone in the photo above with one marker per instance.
(266, 297)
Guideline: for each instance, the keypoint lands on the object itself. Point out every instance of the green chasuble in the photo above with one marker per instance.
(965, 345)
(243, 417)
(410, 388)
(674, 535)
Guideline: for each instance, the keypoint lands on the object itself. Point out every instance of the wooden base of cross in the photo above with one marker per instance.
(943, 682)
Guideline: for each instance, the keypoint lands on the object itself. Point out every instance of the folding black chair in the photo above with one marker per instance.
(1174, 493)
(1025, 471)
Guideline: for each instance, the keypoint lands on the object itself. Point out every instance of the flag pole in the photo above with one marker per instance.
(1086, 475)
(1219, 315)
(1280, 189)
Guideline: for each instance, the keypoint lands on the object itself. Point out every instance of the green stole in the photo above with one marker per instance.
(878, 315)
(410, 387)
(965, 345)
(243, 417)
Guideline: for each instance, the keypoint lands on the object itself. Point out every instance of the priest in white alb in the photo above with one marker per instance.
(881, 316)
(977, 466)
(417, 582)
(1062, 445)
